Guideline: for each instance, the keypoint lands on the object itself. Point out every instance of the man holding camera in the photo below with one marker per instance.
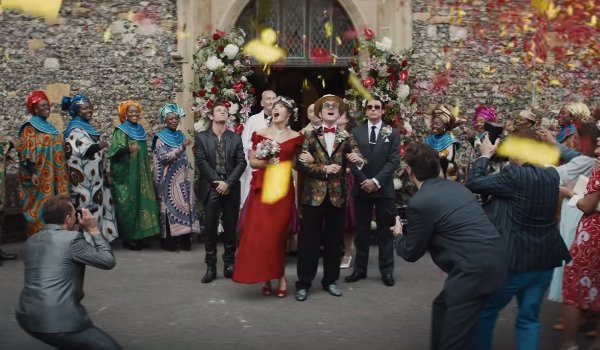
(50, 304)
(445, 219)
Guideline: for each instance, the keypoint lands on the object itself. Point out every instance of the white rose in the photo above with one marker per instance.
(231, 51)
(244, 79)
(200, 125)
(384, 45)
(403, 91)
(408, 127)
(213, 63)
(397, 184)
(234, 108)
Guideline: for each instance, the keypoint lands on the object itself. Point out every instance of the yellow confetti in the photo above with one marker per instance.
(534, 152)
(328, 29)
(456, 109)
(42, 8)
(555, 82)
(338, 40)
(182, 34)
(515, 60)
(263, 49)
(540, 5)
(276, 182)
(359, 87)
(489, 70)
(552, 11)
(305, 84)
(107, 34)
(593, 21)
(130, 16)
(448, 65)
(570, 10)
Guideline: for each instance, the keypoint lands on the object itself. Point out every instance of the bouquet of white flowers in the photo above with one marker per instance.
(267, 149)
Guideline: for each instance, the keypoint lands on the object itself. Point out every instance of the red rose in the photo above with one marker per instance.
(413, 99)
(402, 150)
(404, 63)
(220, 48)
(369, 33)
(202, 93)
(210, 104)
(214, 90)
(226, 103)
(252, 90)
(368, 82)
(221, 33)
(216, 79)
(237, 87)
(238, 128)
(403, 75)
(216, 36)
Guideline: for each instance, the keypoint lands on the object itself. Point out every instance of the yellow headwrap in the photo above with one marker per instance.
(123, 108)
(579, 111)
(442, 112)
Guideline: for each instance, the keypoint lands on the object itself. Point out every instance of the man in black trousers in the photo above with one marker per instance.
(445, 219)
(220, 159)
(374, 188)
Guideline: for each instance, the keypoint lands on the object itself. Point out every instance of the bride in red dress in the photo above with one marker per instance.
(265, 227)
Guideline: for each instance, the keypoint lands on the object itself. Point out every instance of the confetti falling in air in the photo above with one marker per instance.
(41, 8)
(534, 152)
(264, 49)
(107, 34)
(328, 29)
(357, 85)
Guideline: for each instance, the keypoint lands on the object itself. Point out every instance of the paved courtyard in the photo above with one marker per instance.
(153, 299)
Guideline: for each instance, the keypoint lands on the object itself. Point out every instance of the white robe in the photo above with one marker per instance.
(254, 123)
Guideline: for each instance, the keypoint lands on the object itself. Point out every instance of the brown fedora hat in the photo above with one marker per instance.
(332, 98)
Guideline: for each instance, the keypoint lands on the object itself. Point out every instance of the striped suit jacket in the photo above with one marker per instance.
(55, 262)
(523, 209)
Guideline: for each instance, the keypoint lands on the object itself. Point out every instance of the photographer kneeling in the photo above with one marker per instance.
(49, 308)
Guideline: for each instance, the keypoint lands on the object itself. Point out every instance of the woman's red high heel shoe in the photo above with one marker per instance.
(281, 293)
(267, 290)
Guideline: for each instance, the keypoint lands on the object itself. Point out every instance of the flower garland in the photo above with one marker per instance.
(222, 70)
(386, 75)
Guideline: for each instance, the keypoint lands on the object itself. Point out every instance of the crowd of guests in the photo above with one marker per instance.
(499, 237)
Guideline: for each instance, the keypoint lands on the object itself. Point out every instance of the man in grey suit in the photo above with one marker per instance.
(444, 218)
(220, 159)
(374, 188)
(50, 305)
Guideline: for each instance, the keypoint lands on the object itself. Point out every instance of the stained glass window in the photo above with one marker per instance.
(312, 31)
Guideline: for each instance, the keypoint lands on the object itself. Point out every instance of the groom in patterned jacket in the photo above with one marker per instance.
(324, 197)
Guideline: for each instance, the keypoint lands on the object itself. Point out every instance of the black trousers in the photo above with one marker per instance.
(454, 323)
(322, 225)
(214, 206)
(91, 338)
(384, 217)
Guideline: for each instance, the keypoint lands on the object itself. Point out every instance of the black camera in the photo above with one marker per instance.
(403, 219)
(75, 199)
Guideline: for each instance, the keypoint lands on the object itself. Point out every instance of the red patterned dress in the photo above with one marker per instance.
(265, 227)
(581, 281)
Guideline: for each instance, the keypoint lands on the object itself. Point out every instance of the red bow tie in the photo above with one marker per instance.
(331, 130)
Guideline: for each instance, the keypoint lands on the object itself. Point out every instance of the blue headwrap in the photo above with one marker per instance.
(135, 131)
(71, 104)
(171, 108)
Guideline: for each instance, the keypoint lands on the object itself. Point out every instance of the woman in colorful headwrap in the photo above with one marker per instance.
(86, 161)
(442, 121)
(567, 117)
(133, 188)
(173, 179)
(42, 169)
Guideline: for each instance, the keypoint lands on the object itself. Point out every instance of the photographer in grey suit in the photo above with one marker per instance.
(50, 305)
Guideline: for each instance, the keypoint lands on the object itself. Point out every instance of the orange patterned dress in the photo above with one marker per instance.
(41, 154)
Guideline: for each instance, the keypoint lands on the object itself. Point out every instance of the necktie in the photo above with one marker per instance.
(372, 137)
(326, 129)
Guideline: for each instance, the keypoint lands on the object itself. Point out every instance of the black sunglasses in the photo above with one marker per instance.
(373, 107)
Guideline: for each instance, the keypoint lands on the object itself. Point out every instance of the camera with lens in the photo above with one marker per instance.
(403, 219)
(75, 199)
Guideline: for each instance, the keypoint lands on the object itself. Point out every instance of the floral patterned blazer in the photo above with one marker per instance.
(318, 183)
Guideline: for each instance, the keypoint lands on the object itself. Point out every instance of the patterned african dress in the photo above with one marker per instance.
(4, 149)
(173, 178)
(87, 165)
(41, 153)
(132, 187)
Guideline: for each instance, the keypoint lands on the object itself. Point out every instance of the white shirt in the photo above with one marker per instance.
(254, 123)
(329, 140)
(377, 128)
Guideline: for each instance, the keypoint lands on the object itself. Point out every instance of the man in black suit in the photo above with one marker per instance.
(523, 209)
(446, 219)
(220, 159)
(374, 188)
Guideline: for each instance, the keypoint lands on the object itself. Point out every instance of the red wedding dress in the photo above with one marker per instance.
(265, 227)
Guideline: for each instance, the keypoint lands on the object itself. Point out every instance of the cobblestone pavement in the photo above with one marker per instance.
(153, 299)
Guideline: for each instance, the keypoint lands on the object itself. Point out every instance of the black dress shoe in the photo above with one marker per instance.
(388, 279)
(210, 275)
(355, 276)
(333, 290)
(7, 256)
(228, 271)
(301, 294)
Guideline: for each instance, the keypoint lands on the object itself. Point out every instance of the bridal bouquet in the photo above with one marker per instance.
(267, 149)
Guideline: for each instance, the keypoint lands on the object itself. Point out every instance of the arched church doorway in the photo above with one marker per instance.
(319, 37)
